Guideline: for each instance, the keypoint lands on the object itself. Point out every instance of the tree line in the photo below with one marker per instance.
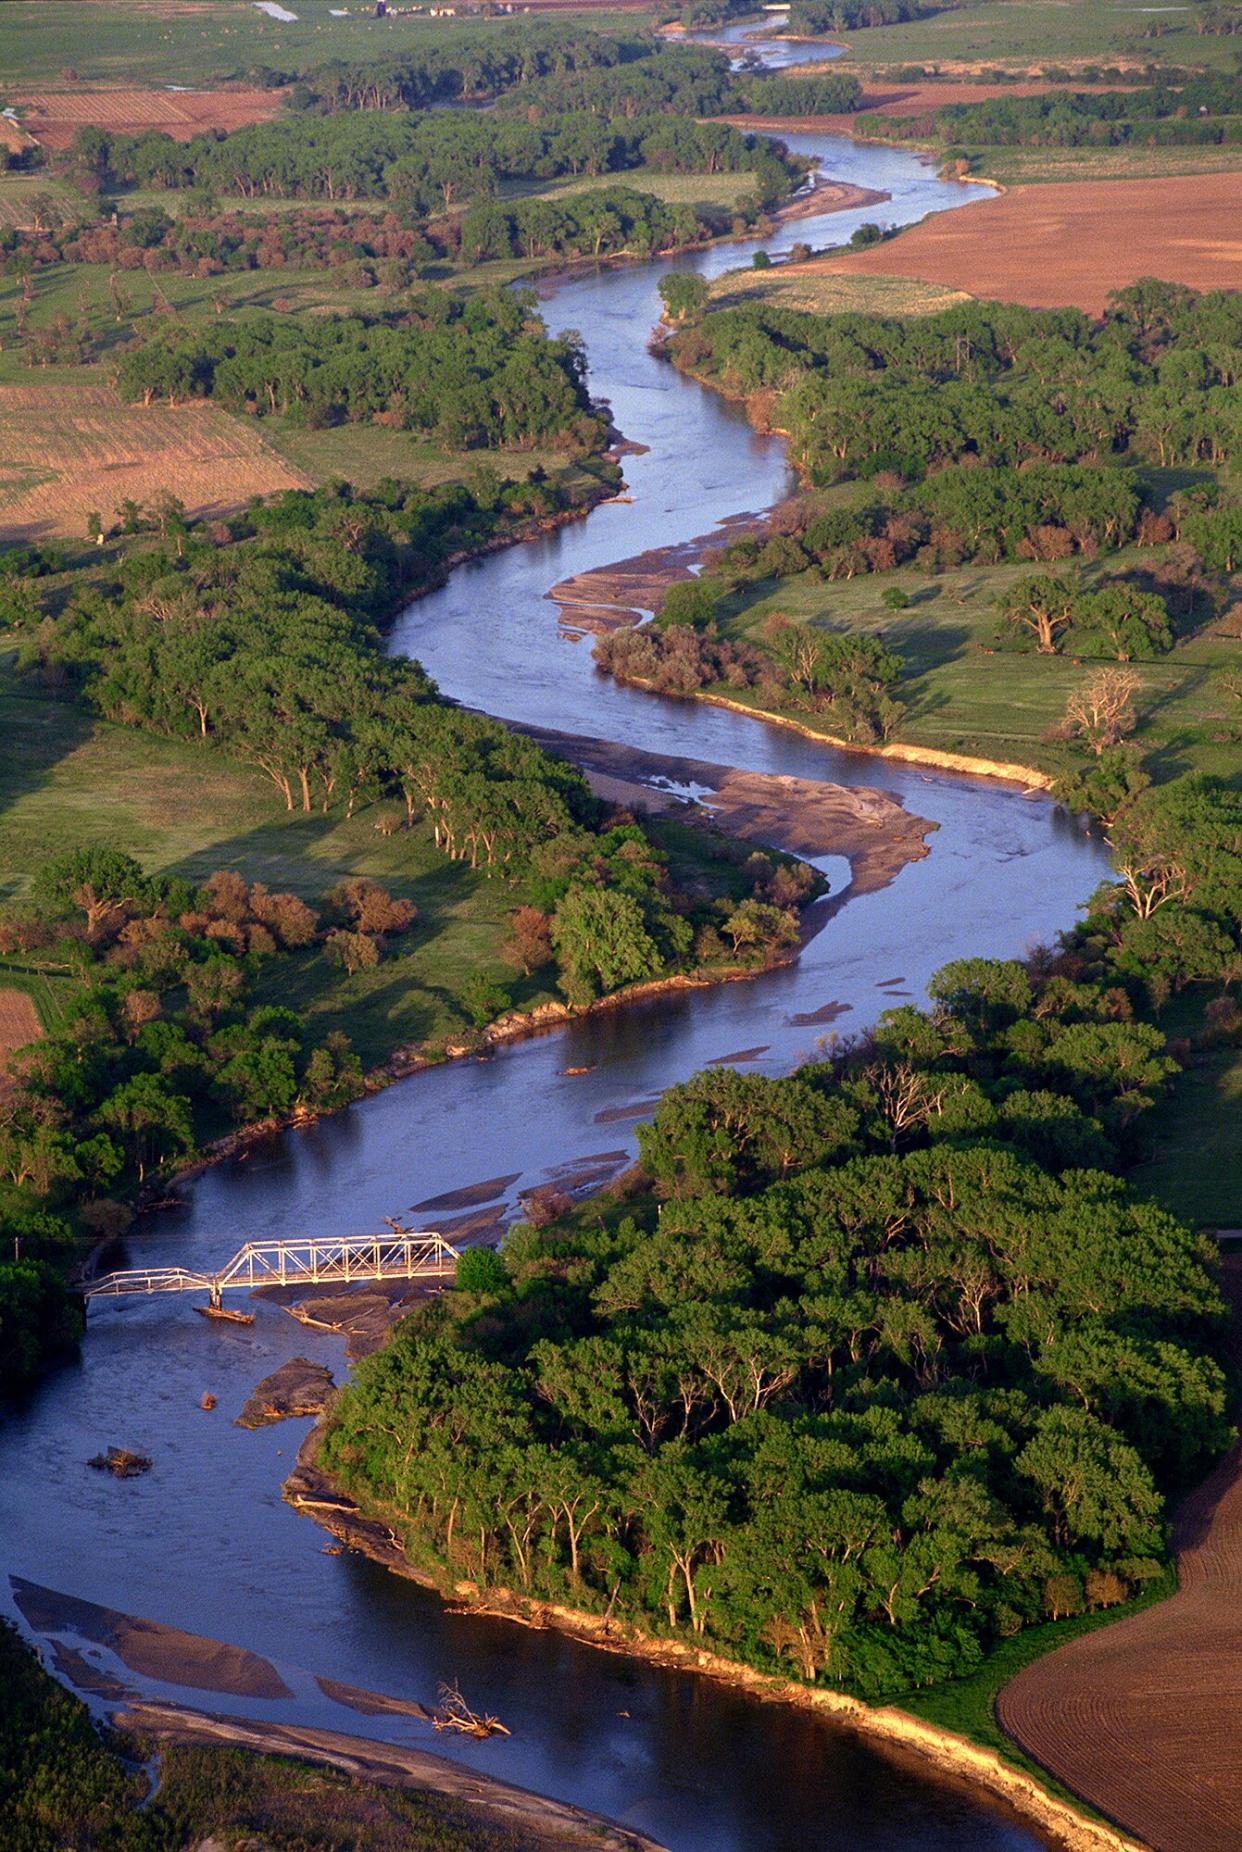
(1191, 112)
(864, 1370)
(986, 383)
(686, 80)
(475, 62)
(474, 372)
(423, 164)
(814, 19)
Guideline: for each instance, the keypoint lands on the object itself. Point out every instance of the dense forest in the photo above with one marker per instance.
(474, 373)
(868, 1368)
(425, 164)
(536, 69)
(987, 384)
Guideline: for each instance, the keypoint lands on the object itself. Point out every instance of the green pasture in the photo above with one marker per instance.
(181, 809)
(163, 41)
(967, 693)
(1019, 33)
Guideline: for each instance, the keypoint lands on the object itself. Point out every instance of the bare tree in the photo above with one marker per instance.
(1101, 712)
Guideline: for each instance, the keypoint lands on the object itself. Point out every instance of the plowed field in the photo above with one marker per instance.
(1142, 1719)
(19, 1024)
(55, 116)
(66, 451)
(1050, 246)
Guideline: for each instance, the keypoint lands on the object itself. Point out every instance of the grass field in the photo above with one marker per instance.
(66, 780)
(1022, 33)
(1196, 1167)
(962, 697)
(25, 198)
(832, 295)
(196, 41)
(1030, 166)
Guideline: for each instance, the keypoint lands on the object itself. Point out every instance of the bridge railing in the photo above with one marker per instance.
(403, 1254)
(147, 1280)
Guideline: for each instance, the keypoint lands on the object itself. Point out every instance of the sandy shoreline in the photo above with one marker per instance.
(871, 828)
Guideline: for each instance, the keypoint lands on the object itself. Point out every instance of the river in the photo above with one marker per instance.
(204, 1541)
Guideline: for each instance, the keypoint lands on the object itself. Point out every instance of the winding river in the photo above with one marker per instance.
(204, 1541)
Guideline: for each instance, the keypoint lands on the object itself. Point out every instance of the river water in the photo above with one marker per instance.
(204, 1541)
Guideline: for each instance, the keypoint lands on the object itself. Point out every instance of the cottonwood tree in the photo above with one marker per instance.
(1101, 713)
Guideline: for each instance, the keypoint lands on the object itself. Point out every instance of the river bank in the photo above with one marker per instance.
(553, 1824)
(867, 827)
(314, 1494)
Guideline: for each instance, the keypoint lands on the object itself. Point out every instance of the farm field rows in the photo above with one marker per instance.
(68, 451)
(53, 117)
(1142, 1716)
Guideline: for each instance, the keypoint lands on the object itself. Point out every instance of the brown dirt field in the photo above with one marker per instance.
(68, 450)
(55, 116)
(19, 1024)
(1069, 243)
(1141, 1719)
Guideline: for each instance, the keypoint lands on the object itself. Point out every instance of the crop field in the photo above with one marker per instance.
(801, 287)
(66, 451)
(53, 117)
(1142, 1716)
(1051, 246)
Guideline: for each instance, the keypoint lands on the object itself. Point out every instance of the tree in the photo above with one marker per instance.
(1122, 622)
(528, 942)
(153, 1122)
(1101, 712)
(356, 951)
(1041, 607)
(602, 942)
(754, 926)
(101, 883)
(1093, 1484)
(480, 1270)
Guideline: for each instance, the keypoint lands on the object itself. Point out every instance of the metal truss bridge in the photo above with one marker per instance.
(403, 1254)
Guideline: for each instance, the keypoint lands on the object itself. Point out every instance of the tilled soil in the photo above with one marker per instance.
(1141, 1719)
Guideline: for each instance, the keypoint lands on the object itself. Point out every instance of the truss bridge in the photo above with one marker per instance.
(401, 1254)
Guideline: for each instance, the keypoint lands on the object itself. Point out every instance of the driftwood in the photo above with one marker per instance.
(453, 1713)
(122, 1462)
(226, 1313)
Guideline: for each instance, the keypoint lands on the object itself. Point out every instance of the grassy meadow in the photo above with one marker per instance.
(208, 41)
(67, 780)
(1017, 34)
(965, 693)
